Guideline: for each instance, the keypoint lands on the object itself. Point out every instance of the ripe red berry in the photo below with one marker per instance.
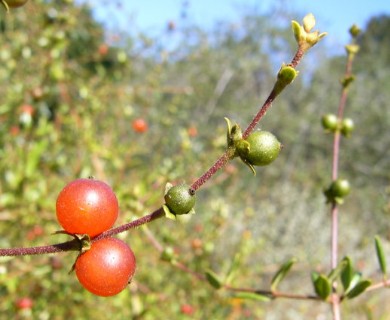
(192, 131)
(87, 206)
(187, 309)
(106, 268)
(140, 125)
(27, 109)
(103, 49)
(24, 303)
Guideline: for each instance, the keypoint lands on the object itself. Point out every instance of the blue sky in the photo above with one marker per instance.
(333, 16)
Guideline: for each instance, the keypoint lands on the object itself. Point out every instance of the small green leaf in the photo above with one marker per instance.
(213, 279)
(228, 132)
(233, 135)
(252, 296)
(168, 213)
(347, 274)
(233, 268)
(381, 255)
(358, 289)
(337, 271)
(356, 278)
(192, 211)
(281, 273)
(297, 30)
(85, 242)
(322, 285)
(167, 187)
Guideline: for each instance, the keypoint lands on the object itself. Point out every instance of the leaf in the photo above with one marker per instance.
(168, 186)
(360, 287)
(381, 255)
(233, 267)
(347, 273)
(168, 213)
(337, 271)
(296, 27)
(252, 296)
(281, 273)
(354, 281)
(213, 279)
(322, 285)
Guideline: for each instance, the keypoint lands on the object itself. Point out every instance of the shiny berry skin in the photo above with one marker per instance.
(347, 126)
(339, 188)
(106, 268)
(87, 206)
(179, 200)
(140, 125)
(329, 122)
(264, 148)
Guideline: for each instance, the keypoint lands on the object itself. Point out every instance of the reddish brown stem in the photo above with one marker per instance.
(334, 208)
(220, 163)
(74, 245)
(134, 224)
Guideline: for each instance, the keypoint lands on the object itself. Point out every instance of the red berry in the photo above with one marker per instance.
(107, 267)
(27, 109)
(192, 131)
(140, 125)
(14, 130)
(103, 49)
(87, 206)
(24, 303)
(187, 309)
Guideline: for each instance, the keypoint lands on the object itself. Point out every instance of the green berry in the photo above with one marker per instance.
(347, 126)
(329, 122)
(179, 199)
(260, 148)
(340, 188)
(337, 190)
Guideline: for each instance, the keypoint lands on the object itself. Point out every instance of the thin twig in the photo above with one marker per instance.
(334, 206)
(159, 213)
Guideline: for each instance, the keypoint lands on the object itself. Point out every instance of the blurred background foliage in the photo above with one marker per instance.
(70, 94)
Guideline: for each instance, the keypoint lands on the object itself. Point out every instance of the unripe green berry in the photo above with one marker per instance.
(329, 122)
(260, 149)
(337, 190)
(179, 199)
(347, 126)
(340, 188)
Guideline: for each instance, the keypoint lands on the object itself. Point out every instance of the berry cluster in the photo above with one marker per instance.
(87, 208)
